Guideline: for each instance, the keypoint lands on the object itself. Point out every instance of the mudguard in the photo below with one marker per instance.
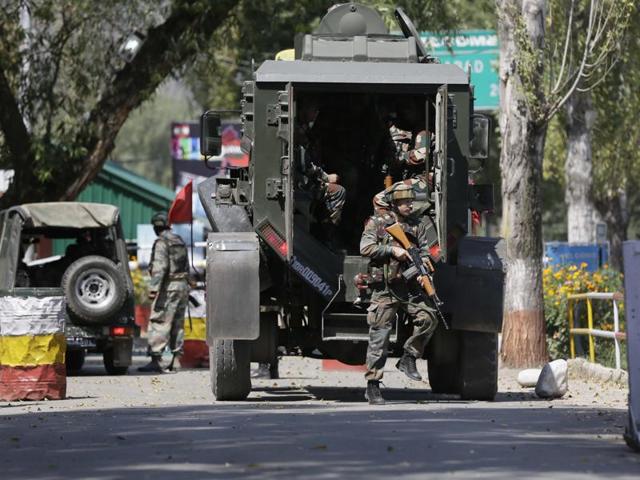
(473, 290)
(233, 286)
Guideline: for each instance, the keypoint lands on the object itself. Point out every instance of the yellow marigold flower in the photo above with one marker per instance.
(583, 265)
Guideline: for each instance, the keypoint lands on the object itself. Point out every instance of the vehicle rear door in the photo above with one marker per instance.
(441, 168)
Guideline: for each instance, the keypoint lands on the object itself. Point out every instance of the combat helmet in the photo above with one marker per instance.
(402, 191)
(159, 220)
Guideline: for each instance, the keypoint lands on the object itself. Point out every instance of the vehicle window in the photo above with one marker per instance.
(45, 254)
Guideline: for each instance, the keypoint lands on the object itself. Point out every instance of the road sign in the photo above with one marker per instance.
(477, 49)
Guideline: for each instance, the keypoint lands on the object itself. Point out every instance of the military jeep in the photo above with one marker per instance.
(274, 278)
(76, 250)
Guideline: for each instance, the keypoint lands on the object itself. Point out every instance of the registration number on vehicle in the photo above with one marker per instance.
(81, 342)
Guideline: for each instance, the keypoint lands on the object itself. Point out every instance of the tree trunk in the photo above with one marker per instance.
(615, 211)
(524, 332)
(581, 210)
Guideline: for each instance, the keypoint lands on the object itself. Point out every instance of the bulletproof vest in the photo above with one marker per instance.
(177, 252)
(394, 268)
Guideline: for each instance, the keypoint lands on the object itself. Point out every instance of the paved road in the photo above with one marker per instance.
(312, 424)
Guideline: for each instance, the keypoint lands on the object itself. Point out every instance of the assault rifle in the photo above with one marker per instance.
(421, 271)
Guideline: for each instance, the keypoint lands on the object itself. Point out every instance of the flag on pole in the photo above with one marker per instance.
(181, 209)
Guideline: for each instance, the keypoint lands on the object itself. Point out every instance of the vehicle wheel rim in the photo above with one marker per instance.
(95, 288)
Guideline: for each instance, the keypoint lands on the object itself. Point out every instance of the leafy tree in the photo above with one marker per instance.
(538, 75)
(616, 138)
(605, 187)
(64, 103)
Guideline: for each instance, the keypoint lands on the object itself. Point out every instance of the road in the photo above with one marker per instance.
(311, 424)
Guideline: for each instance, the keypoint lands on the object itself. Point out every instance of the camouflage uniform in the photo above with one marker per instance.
(393, 293)
(316, 180)
(169, 269)
(382, 206)
(410, 149)
(332, 195)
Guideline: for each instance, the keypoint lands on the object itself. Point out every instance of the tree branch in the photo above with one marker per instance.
(567, 42)
(167, 46)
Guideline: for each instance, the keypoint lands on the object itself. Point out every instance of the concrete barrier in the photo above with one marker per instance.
(32, 348)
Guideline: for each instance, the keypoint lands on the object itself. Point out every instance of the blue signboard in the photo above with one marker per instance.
(476, 50)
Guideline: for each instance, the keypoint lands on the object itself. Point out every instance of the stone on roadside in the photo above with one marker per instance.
(529, 377)
(553, 380)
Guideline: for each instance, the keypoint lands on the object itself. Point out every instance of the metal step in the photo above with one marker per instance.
(346, 326)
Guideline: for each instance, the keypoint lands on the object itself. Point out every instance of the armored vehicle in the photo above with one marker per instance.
(279, 274)
(76, 250)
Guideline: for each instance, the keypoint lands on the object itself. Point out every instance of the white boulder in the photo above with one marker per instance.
(529, 377)
(552, 382)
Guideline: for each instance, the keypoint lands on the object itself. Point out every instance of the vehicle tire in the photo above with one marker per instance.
(229, 364)
(478, 374)
(442, 361)
(107, 360)
(74, 360)
(94, 287)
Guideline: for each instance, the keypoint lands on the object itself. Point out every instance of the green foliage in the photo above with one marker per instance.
(560, 283)
(67, 88)
(617, 133)
(58, 76)
(615, 138)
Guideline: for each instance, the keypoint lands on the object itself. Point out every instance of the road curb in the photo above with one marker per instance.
(583, 369)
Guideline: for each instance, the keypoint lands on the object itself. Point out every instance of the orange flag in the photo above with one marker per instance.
(180, 211)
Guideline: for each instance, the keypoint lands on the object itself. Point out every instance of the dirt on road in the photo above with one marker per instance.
(312, 423)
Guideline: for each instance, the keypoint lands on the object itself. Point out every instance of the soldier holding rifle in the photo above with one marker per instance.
(391, 262)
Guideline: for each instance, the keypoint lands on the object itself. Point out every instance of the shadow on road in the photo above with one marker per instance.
(266, 441)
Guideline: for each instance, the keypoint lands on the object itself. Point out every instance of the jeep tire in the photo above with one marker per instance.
(108, 362)
(95, 288)
(229, 365)
(74, 360)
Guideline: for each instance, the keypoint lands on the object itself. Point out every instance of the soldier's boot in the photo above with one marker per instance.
(373, 394)
(407, 365)
(153, 366)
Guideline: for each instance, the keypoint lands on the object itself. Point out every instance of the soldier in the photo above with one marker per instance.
(410, 148)
(324, 186)
(421, 208)
(393, 292)
(169, 290)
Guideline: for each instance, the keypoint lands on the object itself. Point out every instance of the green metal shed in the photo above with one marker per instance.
(137, 197)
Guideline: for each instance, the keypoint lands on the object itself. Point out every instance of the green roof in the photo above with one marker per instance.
(135, 183)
